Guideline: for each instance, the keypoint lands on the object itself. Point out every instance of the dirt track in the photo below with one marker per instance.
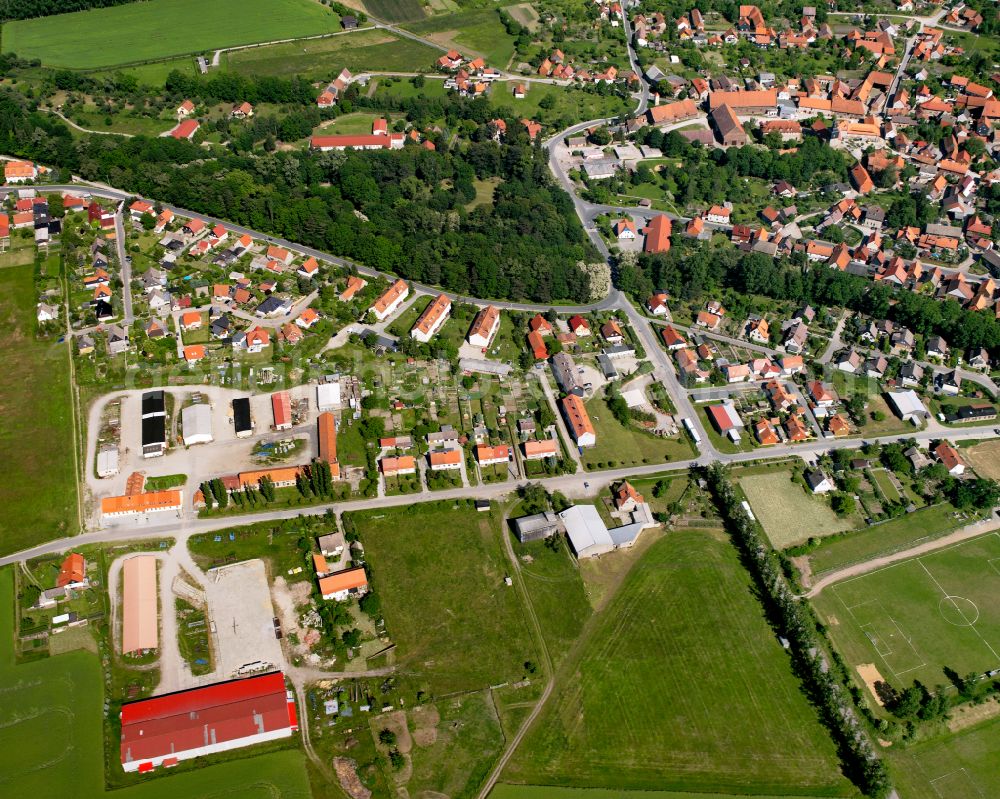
(964, 534)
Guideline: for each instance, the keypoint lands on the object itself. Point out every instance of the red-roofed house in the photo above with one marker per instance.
(579, 326)
(861, 179)
(658, 232)
(73, 572)
(186, 129)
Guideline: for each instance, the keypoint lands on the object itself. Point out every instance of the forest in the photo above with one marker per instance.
(26, 9)
(693, 272)
(406, 212)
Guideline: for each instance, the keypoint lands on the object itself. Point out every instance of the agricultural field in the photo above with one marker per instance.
(524, 14)
(474, 32)
(984, 458)
(887, 537)
(160, 29)
(787, 513)
(915, 618)
(323, 59)
(506, 791)
(395, 10)
(623, 446)
(962, 766)
(438, 570)
(885, 485)
(702, 699)
(39, 493)
(51, 737)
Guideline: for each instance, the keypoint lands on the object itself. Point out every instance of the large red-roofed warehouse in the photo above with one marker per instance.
(166, 729)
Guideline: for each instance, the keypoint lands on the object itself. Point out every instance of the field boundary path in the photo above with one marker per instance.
(82, 129)
(962, 534)
(543, 648)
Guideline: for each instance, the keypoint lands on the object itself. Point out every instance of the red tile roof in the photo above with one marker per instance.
(73, 570)
(173, 724)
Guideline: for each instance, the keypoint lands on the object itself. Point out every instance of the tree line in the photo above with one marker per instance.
(825, 683)
(26, 9)
(691, 272)
(812, 160)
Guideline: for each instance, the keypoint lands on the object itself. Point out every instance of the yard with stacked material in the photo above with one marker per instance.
(38, 491)
(681, 685)
(915, 618)
(439, 570)
(156, 29)
(787, 513)
(51, 737)
(961, 766)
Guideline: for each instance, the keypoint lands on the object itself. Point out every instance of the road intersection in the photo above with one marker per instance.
(646, 329)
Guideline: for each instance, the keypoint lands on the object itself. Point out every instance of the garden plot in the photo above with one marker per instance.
(787, 513)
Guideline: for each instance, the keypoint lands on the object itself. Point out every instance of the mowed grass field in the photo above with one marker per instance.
(787, 513)
(322, 59)
(51, 739)
(570, 102)
(962, 766)
(681, 685)
(917, 617)
(507, 791)
(884, 538)
(157, 29)
(38, 491)
(984, 458)
(557, 592)
(439, 570)
(625, 446)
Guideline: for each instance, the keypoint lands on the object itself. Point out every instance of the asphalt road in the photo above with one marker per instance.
(580, 485)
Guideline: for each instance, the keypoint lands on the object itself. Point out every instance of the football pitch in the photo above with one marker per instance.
(961, 766)
(915, 618)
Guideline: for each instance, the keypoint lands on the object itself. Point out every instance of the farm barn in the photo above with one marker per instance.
(166, 729)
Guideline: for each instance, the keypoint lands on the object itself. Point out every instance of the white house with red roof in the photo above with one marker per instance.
(242, 111)
(139, 209)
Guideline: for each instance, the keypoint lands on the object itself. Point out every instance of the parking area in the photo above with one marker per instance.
(226, 454)
(242, 619)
